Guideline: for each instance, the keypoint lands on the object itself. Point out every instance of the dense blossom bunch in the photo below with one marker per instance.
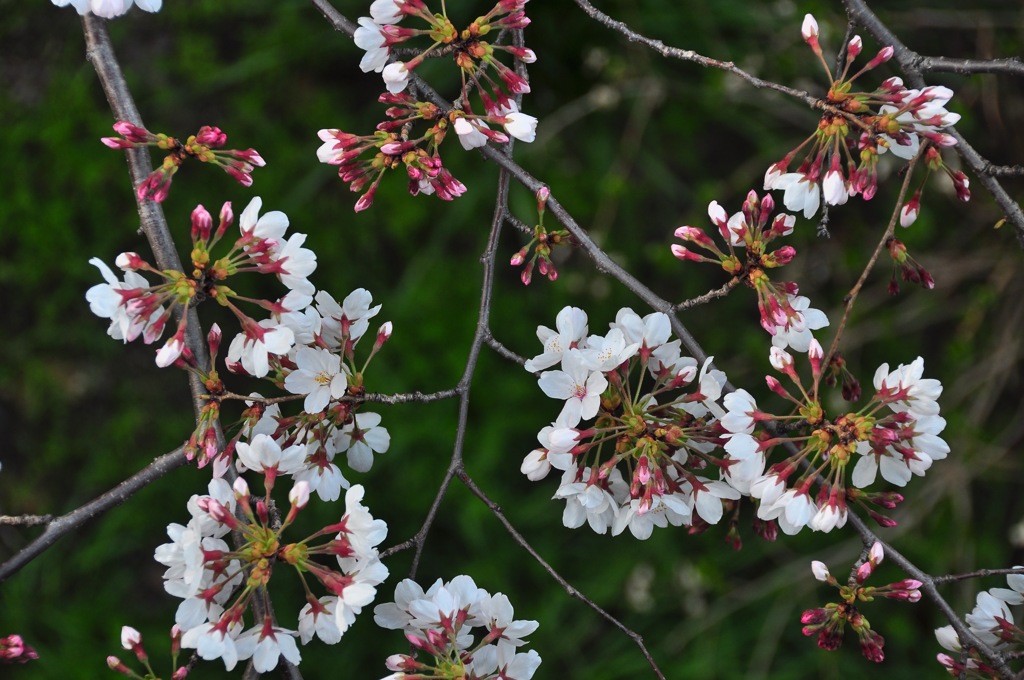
(14, 650)
(363, 160)
(784, 314)
(440, 623)
(643, 462)
(136, 308)
(829, 622)
(204, 146)
(992, 622)
(321, 368)
(857, 128)
(108, 9)
(217, 583)
(895, 433)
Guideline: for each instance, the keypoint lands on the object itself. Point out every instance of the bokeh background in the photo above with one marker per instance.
(634, 146)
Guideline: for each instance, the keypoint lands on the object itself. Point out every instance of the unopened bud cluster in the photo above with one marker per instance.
(828, 623)
(205, 146)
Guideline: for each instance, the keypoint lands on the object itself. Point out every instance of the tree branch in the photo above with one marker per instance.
(65, 524)
(909, 61)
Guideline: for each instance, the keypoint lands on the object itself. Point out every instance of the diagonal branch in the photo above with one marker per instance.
(65, 524)
(910, 61)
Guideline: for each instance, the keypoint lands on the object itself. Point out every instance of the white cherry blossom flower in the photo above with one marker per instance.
(211, 641)
(108, 9)
(796, 332)
(319, 376)
(469, 133)
(361, 439)
(396, 77)
(264, 454)
(571, 325)
(800, 192)
(369, 37)
(579, 386)
(352, 316)
(266, 645)
(251, 349)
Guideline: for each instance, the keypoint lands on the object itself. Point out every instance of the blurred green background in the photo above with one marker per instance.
(634, 146)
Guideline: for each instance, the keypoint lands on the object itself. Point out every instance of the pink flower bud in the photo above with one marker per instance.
(117, 143)
(383, 333)
(853, 48)
(241, 488)
(809, 29)
(876, 554)
(129, 262)
(114, 664)
(213, 339)
(543, 194)
(130, 637)
(202, 223)
(211, 136)
(694, 234)
(132, 132)
(299, 495)
(684, 254)
(884, 55)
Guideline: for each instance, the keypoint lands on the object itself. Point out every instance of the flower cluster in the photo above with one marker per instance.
(641, 464)
(14, 650)
(541, 244)
(131, 640)
(992, 622)
(204, 146)
(784, 314)
(320, 369)
(217, 583)
(895, 433)
(136, 308)
(829, 622)
(857, 128)
(363, 160)
(108, 9)
(439, 623)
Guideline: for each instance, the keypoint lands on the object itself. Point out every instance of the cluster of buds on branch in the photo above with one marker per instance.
(829, 622)
(857, 128)
(392, 145)
(205, 146)
(784, 314)
(541, 244)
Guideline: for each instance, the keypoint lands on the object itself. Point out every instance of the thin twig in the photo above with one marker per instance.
(566, 586)
(851, 297)
(708, 296)
(65, 524)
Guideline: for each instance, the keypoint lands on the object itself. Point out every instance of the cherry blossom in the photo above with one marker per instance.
(319, 376)
(108, 9)
(571, 325)
(577, 384)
